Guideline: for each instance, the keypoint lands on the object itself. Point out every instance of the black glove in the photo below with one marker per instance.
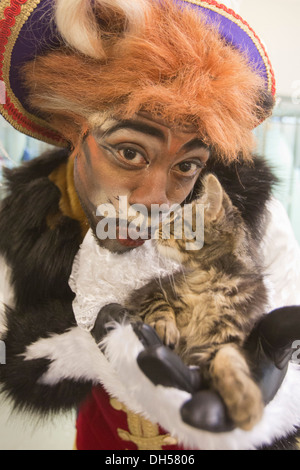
(157, 361)
(269, 349)
(108, 314)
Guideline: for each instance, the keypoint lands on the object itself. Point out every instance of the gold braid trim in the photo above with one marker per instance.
(144, 434)
(4, 4)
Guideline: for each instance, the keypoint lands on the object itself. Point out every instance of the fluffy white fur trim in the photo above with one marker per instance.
(76, 356)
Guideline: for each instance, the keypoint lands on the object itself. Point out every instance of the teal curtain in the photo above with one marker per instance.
(15, 148)
(278, 140)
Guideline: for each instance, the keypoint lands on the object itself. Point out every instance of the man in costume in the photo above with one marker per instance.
(144, 97)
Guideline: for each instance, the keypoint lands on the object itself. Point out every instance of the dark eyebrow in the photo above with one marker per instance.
(136, 126)
(194, 144)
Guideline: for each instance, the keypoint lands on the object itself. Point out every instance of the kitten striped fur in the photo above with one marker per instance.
(209, 307)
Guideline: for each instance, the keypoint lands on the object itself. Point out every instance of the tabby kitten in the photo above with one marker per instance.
(208, 308)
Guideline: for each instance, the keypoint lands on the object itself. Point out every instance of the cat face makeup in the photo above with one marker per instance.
(143, 159)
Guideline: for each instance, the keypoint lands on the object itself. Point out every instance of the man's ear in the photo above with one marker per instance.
(213, 196)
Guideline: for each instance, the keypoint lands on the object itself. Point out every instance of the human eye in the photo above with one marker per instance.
(131, 155)
(128, 155)
(189, 168)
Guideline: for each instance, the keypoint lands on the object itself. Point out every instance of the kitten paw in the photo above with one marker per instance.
(245, 407)
(167, 331)
(232, 379)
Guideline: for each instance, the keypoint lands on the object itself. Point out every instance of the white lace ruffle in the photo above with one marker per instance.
(100, 277)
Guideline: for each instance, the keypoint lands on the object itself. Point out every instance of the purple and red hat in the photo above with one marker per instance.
(27, 30)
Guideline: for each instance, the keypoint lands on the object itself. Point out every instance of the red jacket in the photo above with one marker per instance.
(105, 424)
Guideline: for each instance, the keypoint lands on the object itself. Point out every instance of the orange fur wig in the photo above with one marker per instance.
(169, 63)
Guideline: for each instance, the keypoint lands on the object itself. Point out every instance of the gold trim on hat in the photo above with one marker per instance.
(26, 10)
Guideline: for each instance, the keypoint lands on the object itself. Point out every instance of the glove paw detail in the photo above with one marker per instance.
(206, 411)
(163, 367)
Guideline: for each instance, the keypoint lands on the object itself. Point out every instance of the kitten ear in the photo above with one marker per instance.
(214, 196)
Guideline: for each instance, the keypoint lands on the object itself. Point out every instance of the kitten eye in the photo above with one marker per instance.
(175, 217)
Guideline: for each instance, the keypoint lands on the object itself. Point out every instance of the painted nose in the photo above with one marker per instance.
(151, 190)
